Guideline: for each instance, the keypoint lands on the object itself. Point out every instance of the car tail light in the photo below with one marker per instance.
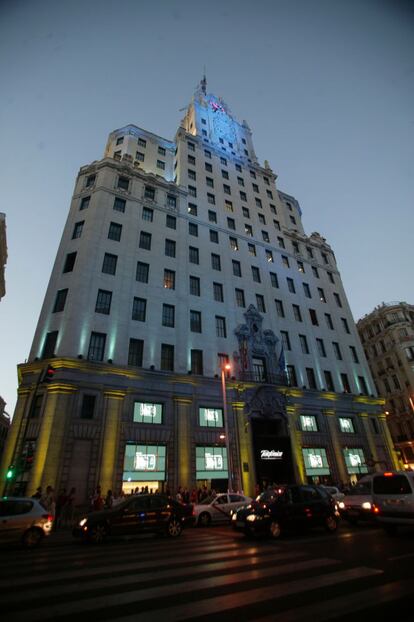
(388, 474)
(375, 509)
(48, 517)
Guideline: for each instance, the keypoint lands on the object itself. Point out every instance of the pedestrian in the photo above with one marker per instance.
(38, 493)
(48, 501)
(97, 500)
(60, 504)
(69, 508)
(109, 500)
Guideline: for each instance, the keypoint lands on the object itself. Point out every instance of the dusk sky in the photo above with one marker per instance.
(327, 87)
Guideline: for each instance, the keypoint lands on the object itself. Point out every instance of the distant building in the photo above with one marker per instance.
(387, 334)
(3, 253)
(179, 256)
(4, 425)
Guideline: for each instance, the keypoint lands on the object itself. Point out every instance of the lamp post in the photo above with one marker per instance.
(225, 368)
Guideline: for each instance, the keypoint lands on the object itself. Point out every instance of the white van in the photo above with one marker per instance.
(393, 498)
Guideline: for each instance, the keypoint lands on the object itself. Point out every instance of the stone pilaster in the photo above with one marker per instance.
(183, 443)
(339, 456)
(113, 402)
(14, 435)
(389, 442)
(372, 447)
(244, 466)
(296, 444)
(50, 442)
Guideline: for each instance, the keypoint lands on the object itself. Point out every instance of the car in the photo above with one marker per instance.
(357, 505)
(334, 492)
(24, 520)
(142, 513)
(219, 508)
(393, 498)
(287, 507)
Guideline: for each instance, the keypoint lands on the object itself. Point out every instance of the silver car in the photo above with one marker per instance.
(218, 508)
(23, 520)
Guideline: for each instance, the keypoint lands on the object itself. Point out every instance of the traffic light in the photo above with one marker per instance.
(11, 472)
(49, 374)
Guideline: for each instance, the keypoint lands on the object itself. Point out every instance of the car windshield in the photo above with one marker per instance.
(270, 496)
(208, 500)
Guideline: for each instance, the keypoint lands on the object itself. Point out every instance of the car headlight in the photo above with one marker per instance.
(83, 522)
(341, 505)
(366, 505)
(251, 517)
(234, 517)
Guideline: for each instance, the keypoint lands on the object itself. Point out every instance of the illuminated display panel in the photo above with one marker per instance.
(308, 423)
(346, 424)
(211, 463)
(355, 460)
(144, 463)
(316, 462)
(210, 417)
(146, 412)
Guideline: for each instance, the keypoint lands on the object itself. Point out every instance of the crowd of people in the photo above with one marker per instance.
(61, 507)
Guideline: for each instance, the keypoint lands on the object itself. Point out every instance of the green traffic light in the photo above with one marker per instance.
(10, 473)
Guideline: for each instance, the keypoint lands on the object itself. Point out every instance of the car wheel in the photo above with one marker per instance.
(98, 533)
(204, 519)
(331, 524)
(174, 527)
(390, 530)
(274, 529)
(32, 537)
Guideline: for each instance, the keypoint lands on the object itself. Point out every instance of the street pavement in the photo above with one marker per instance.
(213, 574)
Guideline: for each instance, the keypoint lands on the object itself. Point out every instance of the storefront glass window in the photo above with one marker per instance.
(308, 423)
(211, 417)
(211, 463)
(316, 462)
(355, 460)
(144, 463)
(346, 425)
(146, 412)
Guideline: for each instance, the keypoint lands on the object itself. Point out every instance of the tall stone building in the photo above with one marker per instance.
(387, 334)
(178, 257)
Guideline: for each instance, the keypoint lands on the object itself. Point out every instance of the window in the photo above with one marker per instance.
(321, 347)
(69, 262)
(255, 187)
(195, 321)
(306, 289)
(362, 385)
(215, 262)
(60, 300)
(337, 350)
(233, 244)
(308, 423)
(170, 248)
(313, 317)
(337, 299)
(221, 327)
(209, 182)
(328, 380)
(77, 230)
(274, 280)
(214, 237)
(147, 214)
(240, 181)
(149, 193)
(139, 309)
(325, 258)
(142, 272)
(197, 362)
(258, 204)
(285, 339)
(208, 167)
(161, 164)
(119, 204)
(295, 246)
(223, 161)
(109, 263)
(191, 146)
(304, 344)
(296, 313)
(211, 198)
(145, 240)
(243, 196)
(84, 203)
(279, 308)
(228, 205)
(345, 325)
(171, 201)
(115, 231)
(192, 191)
(142, 142)
(301, 267)
(103, 302)
(345, 383)
(346, 425)
(50, 344)
(212, 216)
(354, 355)
(193, 255)
(168, 315)
(246, 212)
(281, 242)
(269, 256)
(260, 303)
(273, 209)
(96, 346)
(171, 222)
(231, 223)
(191, 159)
(90, 180)
(120, 140)
(123, 183)
(225, 175)
(265, 236)
(140, 156)
(167, 357)
(169, 279)
(194, 285)
(276, 224)
(192, 209)
(285, 261)
(207, 153)
(291, 376)
(291, 285)
(316, 462)
(292, 220)
(240, 297)
(161, 150)
(218, 292)
(310, 374)
(256, 274)
(210, 417)
(88, 406)
(329, 322)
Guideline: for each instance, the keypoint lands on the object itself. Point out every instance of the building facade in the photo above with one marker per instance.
(177, 258)
(387, 334)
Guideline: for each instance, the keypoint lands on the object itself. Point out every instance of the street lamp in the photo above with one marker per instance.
(225, 368)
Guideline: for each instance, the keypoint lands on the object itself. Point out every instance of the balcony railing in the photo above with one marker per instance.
(263, 378)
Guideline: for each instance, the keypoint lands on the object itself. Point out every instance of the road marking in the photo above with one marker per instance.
(406, 556)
